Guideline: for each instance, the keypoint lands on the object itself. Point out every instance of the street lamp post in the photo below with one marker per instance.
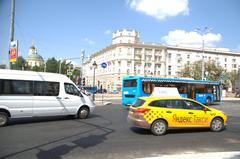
(203, 32)
(60, 66)
(94, 67)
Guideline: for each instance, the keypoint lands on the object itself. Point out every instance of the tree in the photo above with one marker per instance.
(232, 77)
(3, 66)
(21, 64)
(38, 68)
(52, 65)
(212, 71)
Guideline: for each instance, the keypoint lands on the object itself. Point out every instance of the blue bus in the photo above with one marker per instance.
(206, 92)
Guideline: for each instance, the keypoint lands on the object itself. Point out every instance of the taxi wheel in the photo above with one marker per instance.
(159, 127)
(217, 125)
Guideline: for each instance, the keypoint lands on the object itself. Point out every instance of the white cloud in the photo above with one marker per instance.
(181, 37)
(160, 9)
(107, 32)
(72, 62)
(90, 42)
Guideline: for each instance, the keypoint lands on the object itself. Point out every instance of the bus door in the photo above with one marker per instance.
(191, 91)
(216, 92)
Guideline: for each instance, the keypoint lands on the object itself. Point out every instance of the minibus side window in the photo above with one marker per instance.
(15, 87)
(42, 88)
(71, 89)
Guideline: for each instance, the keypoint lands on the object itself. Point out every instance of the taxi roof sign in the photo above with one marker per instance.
(165, 92)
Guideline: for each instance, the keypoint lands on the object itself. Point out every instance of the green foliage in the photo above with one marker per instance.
(52, 65)
(2, 66)
(38, 68)
(21, 64)
(194, 70)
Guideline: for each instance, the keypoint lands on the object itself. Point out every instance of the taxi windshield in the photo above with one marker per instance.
(138, 103)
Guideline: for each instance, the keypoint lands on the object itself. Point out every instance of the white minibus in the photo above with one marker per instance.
(33, 94)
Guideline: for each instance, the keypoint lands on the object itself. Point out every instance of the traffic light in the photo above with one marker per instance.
(83, 81)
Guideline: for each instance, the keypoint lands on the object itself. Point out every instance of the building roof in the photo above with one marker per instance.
(33, 55)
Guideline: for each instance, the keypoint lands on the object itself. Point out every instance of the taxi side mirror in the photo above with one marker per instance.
(205, 109)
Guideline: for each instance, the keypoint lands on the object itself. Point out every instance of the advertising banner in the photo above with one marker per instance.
(13, 51)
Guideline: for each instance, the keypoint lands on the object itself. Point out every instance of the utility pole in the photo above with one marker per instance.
(11, 38)
(203, 32)
(82, 58)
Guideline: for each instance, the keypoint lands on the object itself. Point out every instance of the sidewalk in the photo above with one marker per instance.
(230, 99)
(105, 99)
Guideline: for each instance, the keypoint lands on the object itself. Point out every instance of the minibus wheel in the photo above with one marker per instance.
(83, 113)
(3, 119)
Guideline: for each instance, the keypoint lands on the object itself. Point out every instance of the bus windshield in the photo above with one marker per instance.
(130, 83)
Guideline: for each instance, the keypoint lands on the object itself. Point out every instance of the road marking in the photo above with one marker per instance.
(207, 155)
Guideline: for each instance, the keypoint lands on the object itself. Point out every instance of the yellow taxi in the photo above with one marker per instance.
(162, 113)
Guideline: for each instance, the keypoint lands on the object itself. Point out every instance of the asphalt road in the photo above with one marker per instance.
(106, 134)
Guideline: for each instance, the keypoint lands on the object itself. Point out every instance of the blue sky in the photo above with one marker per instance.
(61, 28)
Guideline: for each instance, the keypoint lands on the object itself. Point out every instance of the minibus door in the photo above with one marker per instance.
(71, 99)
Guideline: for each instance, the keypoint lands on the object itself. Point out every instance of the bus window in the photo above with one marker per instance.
(148, 87)
(130, 83)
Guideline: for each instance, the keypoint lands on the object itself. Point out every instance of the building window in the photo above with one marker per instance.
(169, 70)
(138, 72)
(127, 71)
(225, 59)
(129, 63)
(169, 55)
(233, 60)
(234, 65)
(188, 56)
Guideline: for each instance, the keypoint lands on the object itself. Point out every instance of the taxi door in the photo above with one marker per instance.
(200, 117)
(178, 116)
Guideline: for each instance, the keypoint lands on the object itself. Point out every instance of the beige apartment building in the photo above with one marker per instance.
(127, 55)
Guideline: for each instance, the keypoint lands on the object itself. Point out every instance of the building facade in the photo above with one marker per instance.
(127, 55)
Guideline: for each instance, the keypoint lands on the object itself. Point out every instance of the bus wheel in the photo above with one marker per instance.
(217, 125)
(83, 113)
(3, 119)
(159, 127)
(208, 101)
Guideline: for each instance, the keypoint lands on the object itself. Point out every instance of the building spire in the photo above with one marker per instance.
(33, 42)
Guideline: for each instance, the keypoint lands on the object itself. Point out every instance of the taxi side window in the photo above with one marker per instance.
(158, 103)
(178, 104)
(192, 105)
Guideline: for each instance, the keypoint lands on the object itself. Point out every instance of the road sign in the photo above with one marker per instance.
(69, 72)
(104, 65)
